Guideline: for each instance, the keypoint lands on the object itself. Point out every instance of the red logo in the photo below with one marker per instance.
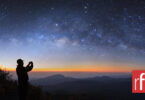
(138, 81)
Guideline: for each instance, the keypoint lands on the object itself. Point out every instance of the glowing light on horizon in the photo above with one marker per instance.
(84, 69)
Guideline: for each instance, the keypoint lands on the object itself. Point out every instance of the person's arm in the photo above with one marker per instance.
(29, 67)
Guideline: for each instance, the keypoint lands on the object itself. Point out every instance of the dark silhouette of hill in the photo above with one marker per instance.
(9, 89)
(52, 80)
(96, 88)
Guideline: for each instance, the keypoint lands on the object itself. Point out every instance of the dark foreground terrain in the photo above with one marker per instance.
(8, 89)
(59, 87)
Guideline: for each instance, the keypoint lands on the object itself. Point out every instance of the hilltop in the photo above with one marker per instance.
(8, 89)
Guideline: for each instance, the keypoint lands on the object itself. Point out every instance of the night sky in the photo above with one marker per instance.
(73, 35)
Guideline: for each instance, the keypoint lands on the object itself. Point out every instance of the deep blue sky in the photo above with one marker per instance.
(73, 33)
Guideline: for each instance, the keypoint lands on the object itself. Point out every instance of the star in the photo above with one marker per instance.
(56, 24)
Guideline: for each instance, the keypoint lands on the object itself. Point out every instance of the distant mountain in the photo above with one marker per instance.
(52, 80)
(73, 85)
(91, 85)
(96, 88)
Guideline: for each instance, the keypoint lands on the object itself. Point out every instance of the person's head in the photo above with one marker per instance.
(20, 62)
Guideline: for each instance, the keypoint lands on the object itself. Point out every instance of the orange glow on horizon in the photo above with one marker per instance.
(84, 68)
(100, 69)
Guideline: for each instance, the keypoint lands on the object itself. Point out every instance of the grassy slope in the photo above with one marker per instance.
(8, 89)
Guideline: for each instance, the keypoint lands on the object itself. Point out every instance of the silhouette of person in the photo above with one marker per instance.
(23, 78)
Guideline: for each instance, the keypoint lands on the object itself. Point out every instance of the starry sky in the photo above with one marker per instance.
(73, 35)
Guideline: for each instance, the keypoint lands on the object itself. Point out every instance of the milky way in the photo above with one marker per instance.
(72, 32)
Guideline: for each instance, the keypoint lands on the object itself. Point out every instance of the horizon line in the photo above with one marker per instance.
(83, 71)
(99, 70)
